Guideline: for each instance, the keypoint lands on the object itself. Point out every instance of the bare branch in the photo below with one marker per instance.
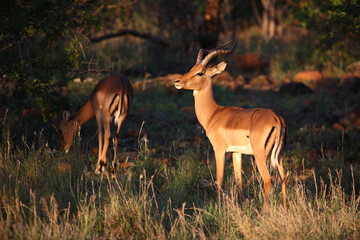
(256, 12)
(133, 33)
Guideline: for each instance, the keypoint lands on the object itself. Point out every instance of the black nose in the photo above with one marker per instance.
(177, 80)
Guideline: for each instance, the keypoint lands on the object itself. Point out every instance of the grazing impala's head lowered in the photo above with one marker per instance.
(68, 131)
(200, 75)
(110, 99)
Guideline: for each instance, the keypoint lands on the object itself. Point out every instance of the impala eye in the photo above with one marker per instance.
(200, 74)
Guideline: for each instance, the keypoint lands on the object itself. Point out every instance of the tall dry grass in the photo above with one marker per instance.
(132, 207)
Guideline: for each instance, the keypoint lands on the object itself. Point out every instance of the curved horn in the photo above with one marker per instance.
(202, 51)
(200, 55)
(217, 52)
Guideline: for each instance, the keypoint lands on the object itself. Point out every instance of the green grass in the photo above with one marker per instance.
(46, 194)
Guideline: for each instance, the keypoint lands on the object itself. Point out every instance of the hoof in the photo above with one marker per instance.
(99, 169)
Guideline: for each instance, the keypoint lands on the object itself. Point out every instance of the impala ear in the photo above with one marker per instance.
(65, 115)
(218, 68)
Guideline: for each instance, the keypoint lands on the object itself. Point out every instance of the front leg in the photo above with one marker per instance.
(237, 170)
(220, 164)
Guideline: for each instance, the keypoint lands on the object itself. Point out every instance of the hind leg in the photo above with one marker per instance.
(284, 180)
(261, 165)
(100, 164)
(102, 152)
(116, 141)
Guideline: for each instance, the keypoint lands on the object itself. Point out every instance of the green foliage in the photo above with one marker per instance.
(40, 44)
(337, 24)
(186, 181)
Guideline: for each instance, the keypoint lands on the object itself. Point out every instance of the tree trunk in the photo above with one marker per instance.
(271, 30)
(265, 21)
(268, 18)
(210, 27)
(273, 17)
(280, 15)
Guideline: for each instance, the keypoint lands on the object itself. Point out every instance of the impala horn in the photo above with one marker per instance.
(214, 52)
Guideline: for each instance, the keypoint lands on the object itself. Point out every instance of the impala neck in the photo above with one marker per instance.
(84, 114)
(205, 105)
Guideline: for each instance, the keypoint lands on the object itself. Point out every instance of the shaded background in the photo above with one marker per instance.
(299, 58)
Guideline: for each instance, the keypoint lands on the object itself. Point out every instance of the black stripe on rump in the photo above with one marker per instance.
(268, 137)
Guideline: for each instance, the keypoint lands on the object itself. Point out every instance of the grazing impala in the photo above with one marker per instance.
(256, 131)
(112, 96)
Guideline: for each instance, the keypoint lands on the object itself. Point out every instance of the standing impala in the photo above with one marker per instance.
(111, 97)
(256, 131)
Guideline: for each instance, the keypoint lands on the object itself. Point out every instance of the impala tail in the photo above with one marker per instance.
(279, 143)
(123, 102)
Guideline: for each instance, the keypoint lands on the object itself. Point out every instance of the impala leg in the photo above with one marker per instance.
(284, 180)
(103, 120)
(106, 143)
(116, 141)
(100, 137)
(237, 170)
(261, 165)
(220, 164)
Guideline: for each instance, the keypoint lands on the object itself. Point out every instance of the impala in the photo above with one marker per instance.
(258, 131)
(111, 97)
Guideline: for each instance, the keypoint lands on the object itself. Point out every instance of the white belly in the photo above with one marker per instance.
(246, 149)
